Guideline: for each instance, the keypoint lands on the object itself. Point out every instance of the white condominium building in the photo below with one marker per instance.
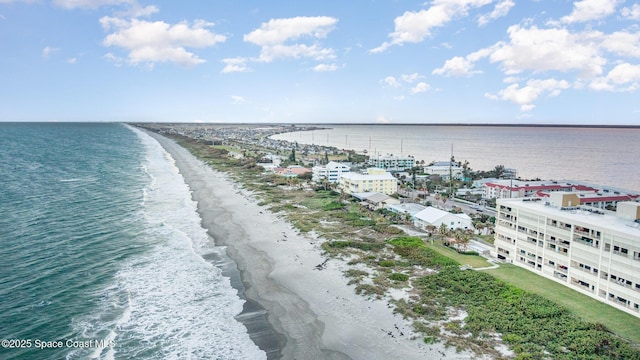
(331, 172)
(392, 163)
(375, 180)
(444, 169)
(593, 251)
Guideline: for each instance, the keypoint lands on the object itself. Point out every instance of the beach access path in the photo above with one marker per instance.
(314, 310)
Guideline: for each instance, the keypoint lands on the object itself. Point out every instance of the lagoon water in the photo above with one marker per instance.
(100, 241)
(607, 156)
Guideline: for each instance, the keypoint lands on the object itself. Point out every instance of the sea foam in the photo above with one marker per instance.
(169, 302)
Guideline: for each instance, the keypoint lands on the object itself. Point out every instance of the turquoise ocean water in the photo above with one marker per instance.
(102, 252)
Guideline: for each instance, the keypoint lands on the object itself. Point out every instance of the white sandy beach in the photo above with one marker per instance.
(320, 316)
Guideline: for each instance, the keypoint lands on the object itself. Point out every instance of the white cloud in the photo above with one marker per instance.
(238, 64)
(420, 87)
(632, 13)
(391, 81)
(47, 51)
(587, 10)
(381, 119)
(415, 26)
(237, 100)
(411, 78)
(72, 61)
(89, 4)
(152, 42)
(502, 9)
(456, 66)
(541, 50)
(133, 8)
(325, 67)
(526, 95)
(273, 36)
(139, 11)
(621, 43)
(116, 60)
(623, 77)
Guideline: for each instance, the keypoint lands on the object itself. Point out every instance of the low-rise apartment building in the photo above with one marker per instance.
(444, 169)
(500, 189)
(593, 251)
(375, 180)
(392, 162)
(331, 172)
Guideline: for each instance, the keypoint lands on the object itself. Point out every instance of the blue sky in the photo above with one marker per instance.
(442, 61)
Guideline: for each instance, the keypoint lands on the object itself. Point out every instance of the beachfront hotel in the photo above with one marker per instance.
(375, 180)
(593, 251)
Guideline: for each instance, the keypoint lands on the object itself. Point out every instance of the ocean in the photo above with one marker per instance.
(102, 254)
(604, 156)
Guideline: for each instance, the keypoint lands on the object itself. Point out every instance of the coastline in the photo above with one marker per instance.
(310, 313)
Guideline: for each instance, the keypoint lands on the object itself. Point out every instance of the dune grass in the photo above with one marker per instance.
(475, 261)
(583, 306)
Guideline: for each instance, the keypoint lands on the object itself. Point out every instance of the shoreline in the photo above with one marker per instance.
(314, 312)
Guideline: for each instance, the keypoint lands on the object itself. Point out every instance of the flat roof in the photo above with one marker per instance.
(608, 220)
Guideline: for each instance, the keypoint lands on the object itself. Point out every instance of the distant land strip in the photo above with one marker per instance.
(303, 124)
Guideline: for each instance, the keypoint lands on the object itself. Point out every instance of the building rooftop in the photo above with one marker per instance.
(411, 208)
(356, 176)
(431, 214)
(583, 215)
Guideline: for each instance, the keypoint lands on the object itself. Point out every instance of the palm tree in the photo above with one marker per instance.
(465, 239)
(431, 229)
(443, 229)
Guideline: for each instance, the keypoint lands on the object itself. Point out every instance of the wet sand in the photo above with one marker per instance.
(293, 310)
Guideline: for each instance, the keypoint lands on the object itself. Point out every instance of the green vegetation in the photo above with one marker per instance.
(580, 305)
(387, 263)
(366, 246)
(399, 277)
(535, 317)
(333, 205)
(475, 261)
(531, 324)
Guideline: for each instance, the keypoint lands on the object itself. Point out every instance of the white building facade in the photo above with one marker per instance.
(444, 169)
(392, 163)
(437, 217)
(375, 180)
(331, 172)
(592, 251)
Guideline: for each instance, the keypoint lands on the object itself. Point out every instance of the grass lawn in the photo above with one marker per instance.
(621, 323)
(474, 261)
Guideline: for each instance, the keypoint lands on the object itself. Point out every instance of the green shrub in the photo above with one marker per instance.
(355, 273)
(366, 246)
(333, 205)
(387, 263)
(399, 277)
(411, 241)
